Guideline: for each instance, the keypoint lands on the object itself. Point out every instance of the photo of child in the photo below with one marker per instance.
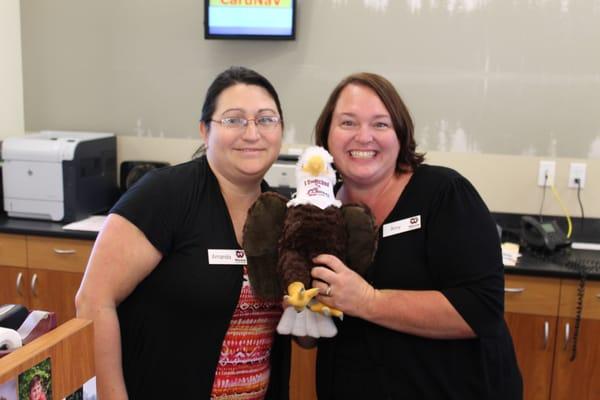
(36, 389)
(36, 382)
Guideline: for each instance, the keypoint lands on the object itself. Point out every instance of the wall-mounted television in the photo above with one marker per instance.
(250, 19)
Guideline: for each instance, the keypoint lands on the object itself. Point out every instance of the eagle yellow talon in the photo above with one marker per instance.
(298, 296)
(326, 310)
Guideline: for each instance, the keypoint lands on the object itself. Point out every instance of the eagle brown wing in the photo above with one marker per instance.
(307, 232)
(362, 237)
(261, 234)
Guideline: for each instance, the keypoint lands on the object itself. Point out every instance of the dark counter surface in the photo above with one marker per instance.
(528, 264)
(22, 226)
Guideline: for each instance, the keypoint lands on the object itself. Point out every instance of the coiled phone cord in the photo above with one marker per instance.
(583, 267)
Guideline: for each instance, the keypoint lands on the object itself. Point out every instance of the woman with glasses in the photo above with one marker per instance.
(166, 285)
(426, 322)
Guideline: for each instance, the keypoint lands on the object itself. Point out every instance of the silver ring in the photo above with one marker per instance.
(328, 291)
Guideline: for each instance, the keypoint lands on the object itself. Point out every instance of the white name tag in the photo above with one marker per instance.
(226, 257)
(401, 226)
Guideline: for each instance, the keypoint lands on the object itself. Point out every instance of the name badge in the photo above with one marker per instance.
(226, 257)
(401, 226)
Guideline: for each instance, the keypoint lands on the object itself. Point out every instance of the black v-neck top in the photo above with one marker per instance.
(173, 323)
(443, 238)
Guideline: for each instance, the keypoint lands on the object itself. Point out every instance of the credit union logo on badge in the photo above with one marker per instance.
(401, 226)
(226, 257)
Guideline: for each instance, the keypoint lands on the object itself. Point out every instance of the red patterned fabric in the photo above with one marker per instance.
(243, 368)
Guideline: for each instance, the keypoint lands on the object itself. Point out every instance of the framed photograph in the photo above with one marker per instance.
(86, 392)
(36, 382)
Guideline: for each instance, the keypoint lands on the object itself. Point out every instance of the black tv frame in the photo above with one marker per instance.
(208, 35)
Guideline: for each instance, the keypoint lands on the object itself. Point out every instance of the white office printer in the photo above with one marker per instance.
(59, 176)
(281, 177)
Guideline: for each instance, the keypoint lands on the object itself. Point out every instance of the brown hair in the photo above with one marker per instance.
(35, 380)
(230, 77)
(403, 124)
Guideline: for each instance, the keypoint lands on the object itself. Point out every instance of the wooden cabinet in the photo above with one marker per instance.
(12, 281)
(54, 291)
(578, 379)
(531, 308)
(13, 274)
(540, 313)
(42, 273)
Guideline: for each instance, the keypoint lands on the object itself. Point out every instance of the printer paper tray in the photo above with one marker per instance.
(36, 209)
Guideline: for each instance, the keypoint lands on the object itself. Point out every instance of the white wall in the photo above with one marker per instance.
(480, 76)
(507, 183)
(11, 72)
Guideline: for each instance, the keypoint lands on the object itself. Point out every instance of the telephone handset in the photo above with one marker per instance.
(543, 235)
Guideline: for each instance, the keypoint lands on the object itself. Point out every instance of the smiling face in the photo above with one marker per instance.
(242, 155)
(36, 392)
(361, 137)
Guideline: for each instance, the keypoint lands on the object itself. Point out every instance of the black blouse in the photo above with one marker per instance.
(173, 323)
(442, 238)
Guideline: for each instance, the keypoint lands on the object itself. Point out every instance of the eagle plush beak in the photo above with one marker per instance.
(298, 297)
(315, 165)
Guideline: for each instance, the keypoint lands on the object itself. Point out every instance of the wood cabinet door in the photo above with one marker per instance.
(14, 288)
(302, 373)
(13, 251)
(534, 338)
(56, 254)
(54, 291)
(13, 274)
(577, 379)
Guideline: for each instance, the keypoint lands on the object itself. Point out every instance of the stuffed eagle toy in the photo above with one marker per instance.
(282, 237)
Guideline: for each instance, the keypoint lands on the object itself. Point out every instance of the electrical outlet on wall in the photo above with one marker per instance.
(577, 171)
(546, 173)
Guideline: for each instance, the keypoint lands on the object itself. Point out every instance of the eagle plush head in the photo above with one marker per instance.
(315, 161)
(315, 179)
(281, 239)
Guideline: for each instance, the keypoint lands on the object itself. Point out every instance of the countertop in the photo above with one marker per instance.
(21, 226)
(528, 264)
(531, 265)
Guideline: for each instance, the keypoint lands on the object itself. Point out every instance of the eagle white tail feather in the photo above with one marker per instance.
(286, 323)
(305, 323)
(325, 324)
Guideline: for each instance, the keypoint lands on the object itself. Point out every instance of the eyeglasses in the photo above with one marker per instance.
(264, 124)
